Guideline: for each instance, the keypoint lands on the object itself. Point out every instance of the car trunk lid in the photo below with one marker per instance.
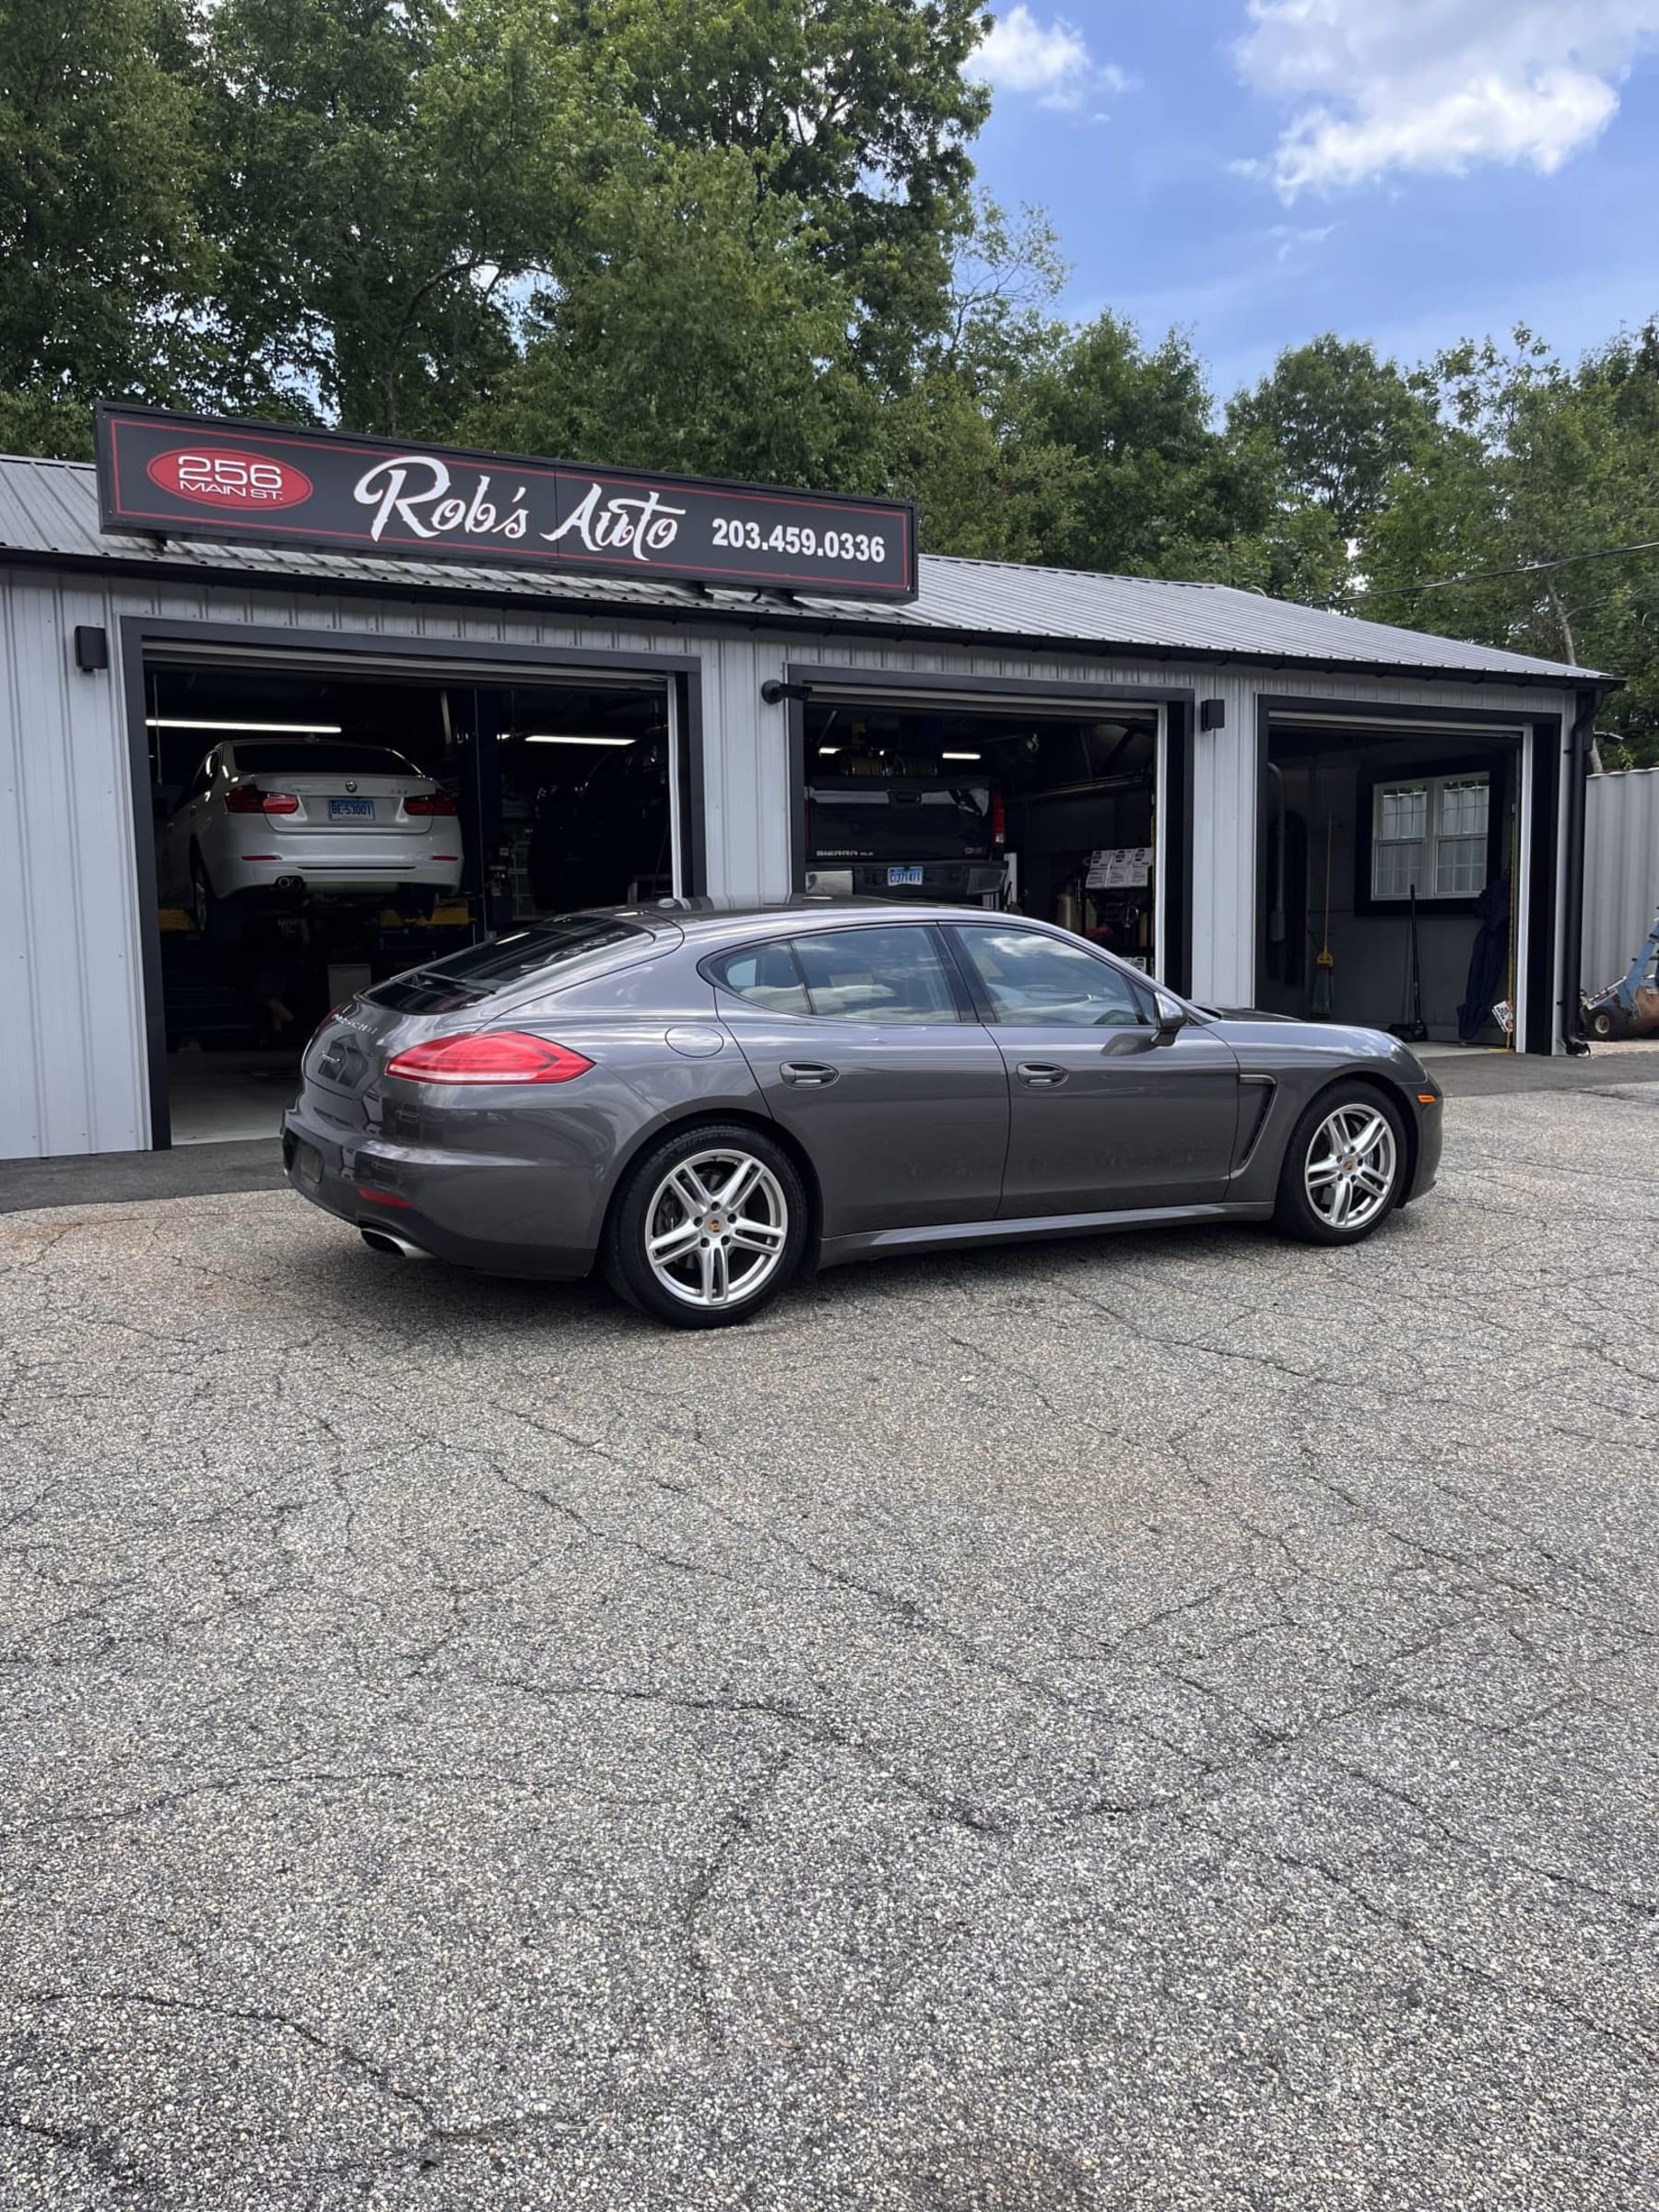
(348, 806)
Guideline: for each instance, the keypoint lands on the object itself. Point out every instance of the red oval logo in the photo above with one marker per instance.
(217, 476)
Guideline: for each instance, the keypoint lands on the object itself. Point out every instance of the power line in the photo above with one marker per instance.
(1530, 567)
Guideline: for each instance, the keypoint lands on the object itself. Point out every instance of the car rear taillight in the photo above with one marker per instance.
(437, 802)
(999, 819)
(488, 1056)
(247, 798)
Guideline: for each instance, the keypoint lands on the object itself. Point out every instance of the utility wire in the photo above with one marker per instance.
(1530, 567)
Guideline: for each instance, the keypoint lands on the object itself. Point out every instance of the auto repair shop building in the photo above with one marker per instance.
(1218, 785)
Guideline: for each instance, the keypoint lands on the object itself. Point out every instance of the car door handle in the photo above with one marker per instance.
(1042, 1075)
(808, 1075)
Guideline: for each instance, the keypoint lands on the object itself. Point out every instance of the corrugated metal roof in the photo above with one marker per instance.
(49, 509)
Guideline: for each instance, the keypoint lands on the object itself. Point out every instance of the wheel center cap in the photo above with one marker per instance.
(713, 1224)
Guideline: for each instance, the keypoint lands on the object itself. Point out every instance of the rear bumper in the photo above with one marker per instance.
(231, 877)
(500, 1217)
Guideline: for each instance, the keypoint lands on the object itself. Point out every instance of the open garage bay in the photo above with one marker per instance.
(1165, 1723)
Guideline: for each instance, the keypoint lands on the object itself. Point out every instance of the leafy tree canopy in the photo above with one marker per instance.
(741, 236)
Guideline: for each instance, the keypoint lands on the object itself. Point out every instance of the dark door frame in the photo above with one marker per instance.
(1172, 806)
(137, 632)
(1544, 884)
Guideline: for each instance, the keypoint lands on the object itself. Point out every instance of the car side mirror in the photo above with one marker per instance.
(1171, 1016)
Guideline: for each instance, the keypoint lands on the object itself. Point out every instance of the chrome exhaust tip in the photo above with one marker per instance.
(389, 1242)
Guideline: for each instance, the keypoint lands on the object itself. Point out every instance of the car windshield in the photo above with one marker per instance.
(481, 971)
(866, 818)
(289, 755)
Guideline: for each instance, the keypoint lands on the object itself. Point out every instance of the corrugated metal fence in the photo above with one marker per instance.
(1621, 870)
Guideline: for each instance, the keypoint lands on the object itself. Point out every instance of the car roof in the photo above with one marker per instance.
(709, 922)
(701, 918)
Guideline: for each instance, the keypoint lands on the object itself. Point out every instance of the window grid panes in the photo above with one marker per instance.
(1430, 834)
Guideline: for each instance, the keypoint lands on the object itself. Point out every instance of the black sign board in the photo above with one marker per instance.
(182, 476)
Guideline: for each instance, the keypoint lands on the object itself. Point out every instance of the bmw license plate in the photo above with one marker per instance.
(905, 875)
(351, 810)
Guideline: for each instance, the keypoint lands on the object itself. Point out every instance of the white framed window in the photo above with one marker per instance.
(1429, 833)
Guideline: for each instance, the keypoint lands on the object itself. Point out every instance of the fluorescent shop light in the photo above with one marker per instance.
(825, 751)
(548, 738)
(264, 729)
(960, 756)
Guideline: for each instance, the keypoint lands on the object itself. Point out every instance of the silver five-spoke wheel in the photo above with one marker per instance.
(716, 1228)
(1351, 1165)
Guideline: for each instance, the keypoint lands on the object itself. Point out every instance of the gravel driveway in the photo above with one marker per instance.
(1163, 1722)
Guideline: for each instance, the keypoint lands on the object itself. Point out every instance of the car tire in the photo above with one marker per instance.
(1344, 1168)
(671, 1249)
(204, 901)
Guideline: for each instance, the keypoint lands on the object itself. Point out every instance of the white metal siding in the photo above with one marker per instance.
(72, 1077)
(1621, 870)
(71, 994)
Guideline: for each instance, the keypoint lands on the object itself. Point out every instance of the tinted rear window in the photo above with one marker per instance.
(482, 969)
(289, 755)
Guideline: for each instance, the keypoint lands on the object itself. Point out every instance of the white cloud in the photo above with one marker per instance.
(1021, 55)
(1437, 84)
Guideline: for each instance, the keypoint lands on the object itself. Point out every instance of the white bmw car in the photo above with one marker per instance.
(313, 814)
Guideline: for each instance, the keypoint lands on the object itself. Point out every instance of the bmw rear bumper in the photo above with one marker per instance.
(356, 877)
(501, 1217)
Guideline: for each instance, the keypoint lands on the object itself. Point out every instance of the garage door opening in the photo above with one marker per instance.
(318, 829)
(1393, 880)
(1043, 810)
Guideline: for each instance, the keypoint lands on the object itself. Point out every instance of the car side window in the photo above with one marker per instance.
(764, 974)
(1035, 981)
(892, 974)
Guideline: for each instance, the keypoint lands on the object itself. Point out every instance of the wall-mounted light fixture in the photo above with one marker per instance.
(1212, 714)
(91, 648)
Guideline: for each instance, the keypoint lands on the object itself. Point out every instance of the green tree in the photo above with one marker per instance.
(392, 173)
(104, 264)
(1162, 491)
(700, 329)
(857, 111)
(960, 439)
(1505, 524)
(1341, 420)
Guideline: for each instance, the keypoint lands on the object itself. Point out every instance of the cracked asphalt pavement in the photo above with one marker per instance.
(1154, 1724)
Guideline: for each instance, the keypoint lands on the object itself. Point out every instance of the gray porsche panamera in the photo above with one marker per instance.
(701, 1102)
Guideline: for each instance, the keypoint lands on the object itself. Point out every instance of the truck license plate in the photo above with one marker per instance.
(905, 875)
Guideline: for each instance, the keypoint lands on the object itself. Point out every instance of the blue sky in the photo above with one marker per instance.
(1407, 171)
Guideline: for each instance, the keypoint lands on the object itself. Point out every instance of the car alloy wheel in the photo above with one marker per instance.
(1351, 1165)
(716, 1228)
